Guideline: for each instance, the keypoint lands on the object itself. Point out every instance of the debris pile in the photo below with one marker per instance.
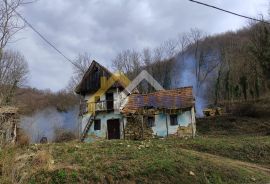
(9, 119)
(137, 129)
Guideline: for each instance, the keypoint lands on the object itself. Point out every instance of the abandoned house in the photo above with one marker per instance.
(8, 124)
(104, 115)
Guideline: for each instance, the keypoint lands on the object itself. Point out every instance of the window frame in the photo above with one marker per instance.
(97, 127)
(173, 120)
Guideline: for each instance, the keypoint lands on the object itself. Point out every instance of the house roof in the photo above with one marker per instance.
(82, 85)
(179, 98)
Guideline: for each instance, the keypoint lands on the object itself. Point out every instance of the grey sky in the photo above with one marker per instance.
(105, 27)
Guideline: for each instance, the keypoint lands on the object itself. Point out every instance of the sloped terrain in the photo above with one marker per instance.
(155, 161)
(227, 149)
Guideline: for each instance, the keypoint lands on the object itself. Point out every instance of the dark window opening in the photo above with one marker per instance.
(109, 100)
(150, 122)
(173, 120)
(97, 124)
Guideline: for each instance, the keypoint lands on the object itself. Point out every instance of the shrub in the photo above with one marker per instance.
(64, 136)
(22, 138)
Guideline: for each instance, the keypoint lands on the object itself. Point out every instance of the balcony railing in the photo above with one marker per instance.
(106, 105)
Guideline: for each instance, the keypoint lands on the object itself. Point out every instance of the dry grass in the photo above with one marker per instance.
(153, 161)
(41, 159)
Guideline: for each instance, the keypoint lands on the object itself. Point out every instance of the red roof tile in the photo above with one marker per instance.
(166, 99)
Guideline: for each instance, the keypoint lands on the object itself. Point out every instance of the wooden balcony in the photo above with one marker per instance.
(101, 106)
(105, 105)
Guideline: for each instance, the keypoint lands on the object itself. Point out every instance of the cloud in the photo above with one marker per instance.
(103, 28)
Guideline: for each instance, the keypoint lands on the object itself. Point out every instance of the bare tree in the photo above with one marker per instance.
(13, 73)
(146, 56)
(81, 64)
(169, 49)
(183, 42)
(128, 62)
(10, 23)
(13, 67)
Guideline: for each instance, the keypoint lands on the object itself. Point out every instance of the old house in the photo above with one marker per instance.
(104, 114)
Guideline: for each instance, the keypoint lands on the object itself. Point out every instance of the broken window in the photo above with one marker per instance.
(97, 124)
(173, 120)
(150, 121)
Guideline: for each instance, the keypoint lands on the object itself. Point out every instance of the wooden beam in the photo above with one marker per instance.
(142, 128)
(167, 125)
(124, 128)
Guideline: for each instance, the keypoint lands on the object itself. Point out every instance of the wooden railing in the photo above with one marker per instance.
(105, 105)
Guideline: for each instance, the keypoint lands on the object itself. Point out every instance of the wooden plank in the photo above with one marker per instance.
(167, 125)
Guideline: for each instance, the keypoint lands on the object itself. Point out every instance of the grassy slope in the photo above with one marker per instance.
(158, 161)
(213, 157)
(254, 149)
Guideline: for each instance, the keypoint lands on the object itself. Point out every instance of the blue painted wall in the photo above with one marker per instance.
(102, 133)
(184, 119)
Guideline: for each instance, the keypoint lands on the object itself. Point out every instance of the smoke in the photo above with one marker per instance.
(44, 123)
(184, 75)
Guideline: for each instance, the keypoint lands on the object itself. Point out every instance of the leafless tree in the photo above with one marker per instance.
(13, 73)
(10, 23)
(146, 56)
(128, 62)
(81, 64)
(169, 48)
(183, 41)
(13, 67)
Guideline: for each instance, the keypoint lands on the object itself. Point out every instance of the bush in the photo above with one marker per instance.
(248, 110)
(64, 136)
(22, 138)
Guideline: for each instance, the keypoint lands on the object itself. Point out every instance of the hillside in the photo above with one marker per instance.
(156, 161)
(31, 100)
(228, 149)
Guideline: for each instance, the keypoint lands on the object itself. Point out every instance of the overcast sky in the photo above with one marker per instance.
(105, 27)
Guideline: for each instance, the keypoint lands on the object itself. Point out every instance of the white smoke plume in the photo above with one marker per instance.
(44, 122)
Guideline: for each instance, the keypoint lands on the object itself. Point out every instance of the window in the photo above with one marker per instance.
(150, 122)
(173, 120)
(97, 124)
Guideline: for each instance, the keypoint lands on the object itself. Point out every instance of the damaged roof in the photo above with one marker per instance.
(179, 98)
(91, 79)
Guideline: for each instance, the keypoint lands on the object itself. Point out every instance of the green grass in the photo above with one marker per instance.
(255, 149)
(155, 161)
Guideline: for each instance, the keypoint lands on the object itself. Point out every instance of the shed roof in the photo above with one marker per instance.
(179, 98)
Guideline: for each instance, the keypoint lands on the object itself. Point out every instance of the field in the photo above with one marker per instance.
(226, 150)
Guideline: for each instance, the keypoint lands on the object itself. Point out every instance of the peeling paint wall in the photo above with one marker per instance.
(184, 127)
(102, 133)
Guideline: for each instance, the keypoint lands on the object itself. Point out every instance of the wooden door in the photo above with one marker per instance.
(113, 126)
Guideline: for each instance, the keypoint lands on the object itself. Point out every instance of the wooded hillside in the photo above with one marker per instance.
(231, 66)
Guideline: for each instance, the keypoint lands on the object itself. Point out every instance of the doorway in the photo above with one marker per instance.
(113, 126)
